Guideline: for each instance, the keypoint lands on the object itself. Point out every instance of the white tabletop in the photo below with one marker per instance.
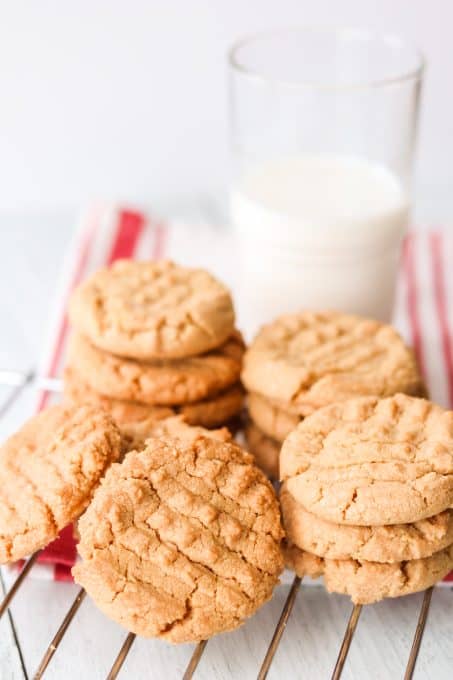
(31, 250)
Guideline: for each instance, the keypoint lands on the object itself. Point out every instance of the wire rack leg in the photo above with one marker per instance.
(17, 583)
(194, 660)
(280, 629)
(120, 659)
(349, 634)
(418, 634)
(52, 648)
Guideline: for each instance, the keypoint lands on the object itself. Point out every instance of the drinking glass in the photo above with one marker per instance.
(323, 127)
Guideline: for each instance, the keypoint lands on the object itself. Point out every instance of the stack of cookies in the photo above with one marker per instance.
(305, 361)
(181, 540)
(152, 339)
(367, 495)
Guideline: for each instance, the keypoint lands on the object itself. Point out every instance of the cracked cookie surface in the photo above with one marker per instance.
(367, 582)
(309, 360)
(48, 472)
(212, 412)
(152, 310)
(391, 543)
(164, 382)
(372, 461)
(181, 540)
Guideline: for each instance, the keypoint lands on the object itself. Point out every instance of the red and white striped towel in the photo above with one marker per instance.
(423, 306)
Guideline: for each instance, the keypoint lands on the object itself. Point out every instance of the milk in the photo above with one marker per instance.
(318, 232)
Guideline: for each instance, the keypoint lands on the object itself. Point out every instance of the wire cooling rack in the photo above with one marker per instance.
(18, 382)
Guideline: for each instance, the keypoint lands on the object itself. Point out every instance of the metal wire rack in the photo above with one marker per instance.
(18, 382)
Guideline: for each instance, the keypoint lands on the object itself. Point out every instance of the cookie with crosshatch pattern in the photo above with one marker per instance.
(48, 472)
(372, 461)
(152, 310)
(181, 540)
(305, 361)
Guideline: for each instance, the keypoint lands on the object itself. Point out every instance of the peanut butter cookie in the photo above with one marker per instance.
(152, 310)
(208, 413)
(122, 412)
(372, 461)
(164, 382)
(367, 582)
(181, 540)
(275, 422)
(264, 450)
(48, 472)
(392, 543)
(174, 427)
(310, 360)
(216, 411)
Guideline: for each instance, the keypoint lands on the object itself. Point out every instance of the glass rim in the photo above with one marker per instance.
(351, 34)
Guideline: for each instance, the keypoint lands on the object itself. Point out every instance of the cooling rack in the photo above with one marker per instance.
(18, 382)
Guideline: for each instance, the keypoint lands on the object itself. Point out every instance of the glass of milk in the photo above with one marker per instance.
(323, 125)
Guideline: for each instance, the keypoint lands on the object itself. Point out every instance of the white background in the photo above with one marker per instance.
(127, 99)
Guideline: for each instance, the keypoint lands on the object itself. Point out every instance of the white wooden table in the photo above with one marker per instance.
(30, 256)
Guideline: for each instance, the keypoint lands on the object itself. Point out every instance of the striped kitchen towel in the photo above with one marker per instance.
(423, 305)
